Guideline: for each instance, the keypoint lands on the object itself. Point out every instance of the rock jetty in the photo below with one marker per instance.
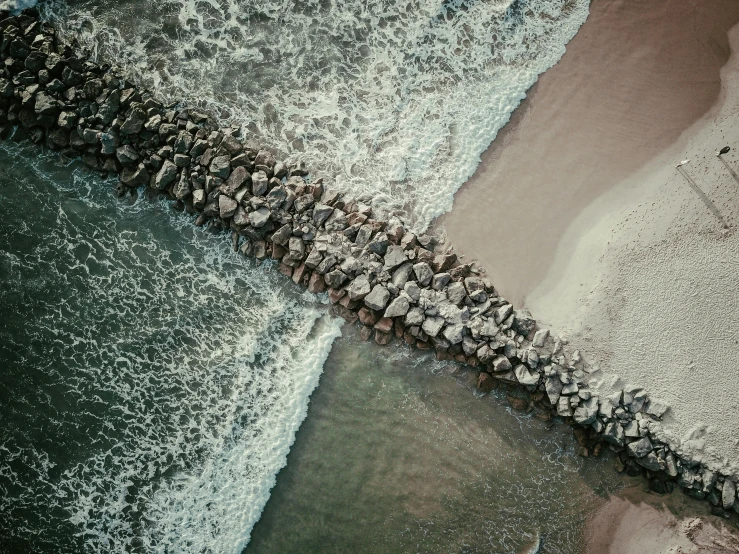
(376, 272)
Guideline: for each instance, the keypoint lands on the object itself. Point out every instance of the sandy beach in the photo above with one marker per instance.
(630, 260)
(637, 522)
(634, 78)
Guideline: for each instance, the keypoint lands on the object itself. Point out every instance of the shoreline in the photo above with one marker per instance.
(374, 272)
(632, 80)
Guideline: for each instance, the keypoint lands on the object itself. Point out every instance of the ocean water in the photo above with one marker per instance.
(153, 382)
(393, 99)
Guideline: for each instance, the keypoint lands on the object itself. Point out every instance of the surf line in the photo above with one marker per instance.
(375, 271)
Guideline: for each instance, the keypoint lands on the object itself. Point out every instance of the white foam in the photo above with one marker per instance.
(396, 100)
(200, 363)
(17, 5)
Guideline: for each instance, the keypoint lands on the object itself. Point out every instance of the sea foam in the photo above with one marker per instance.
(392, 100)
(173, 376)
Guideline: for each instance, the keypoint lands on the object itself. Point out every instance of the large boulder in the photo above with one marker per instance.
(640, 448)
(398, 307)
(378, 298)
(166, 176)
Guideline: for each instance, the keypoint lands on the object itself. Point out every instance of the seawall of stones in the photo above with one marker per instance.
(376, 272)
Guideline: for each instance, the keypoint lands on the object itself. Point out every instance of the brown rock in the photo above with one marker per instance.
(278, 251)
(365, 333)
(385, 325)
(286, 270)
(423, 345)
(298, 273)
(408, 338)
(518, 403)
(347, 302)
(461, 358)
(316, 283)
(348, 315)
(334, 295)
(382, 338)
(399, 328)
(367, 316)
(444, 356)
(485, 382)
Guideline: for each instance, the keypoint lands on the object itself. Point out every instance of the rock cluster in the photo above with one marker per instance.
(376, 272)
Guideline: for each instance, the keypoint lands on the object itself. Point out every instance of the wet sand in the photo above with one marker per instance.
(636, 522)
(636, 76)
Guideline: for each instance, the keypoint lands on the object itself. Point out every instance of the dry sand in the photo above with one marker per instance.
(613, 248)
(635, 522)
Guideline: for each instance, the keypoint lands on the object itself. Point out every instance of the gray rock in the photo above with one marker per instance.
(400, 275)
(728, 494)
(198, 199)
(523, 323)
(671, 465)
(631, 429)
(414, 317)
(423, 273)
(379, 244)
(456, 293)
(454, 333)
(134, 122)
(525, 376)
(553, 388)
(441, 280)
(656, 408)
(126, 154)
(67, 120)
(166, 176)
(432, 325)
(650, 461)
(489, 328)
(259, 217)
(563, 407)
(412, 289)
(502, 313)
(614, 434)
(241, 218)
(359, 288)
(501, 363)
(469, 345)
(540, 338)
(326, 264)
(314, 258)
(640, 448)
(283, 234)
(394, 257)
(378, 298)
(398, 307)
(335, 279)
(336, 221)
(638, 402)
(238, 178)
(321, 213)
(259, 183)
(183, 143)
(227, 206)
(134, 176)
(182, 188)
(220, 166)
(296, 248)
(363, 235)
(485, 354)
(587, 411)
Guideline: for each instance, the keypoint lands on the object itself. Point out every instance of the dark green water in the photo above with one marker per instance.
(152, 383)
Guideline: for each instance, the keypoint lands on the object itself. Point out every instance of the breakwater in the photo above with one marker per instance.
(375, 271)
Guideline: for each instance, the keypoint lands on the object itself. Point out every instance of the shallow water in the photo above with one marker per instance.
(399, 455)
